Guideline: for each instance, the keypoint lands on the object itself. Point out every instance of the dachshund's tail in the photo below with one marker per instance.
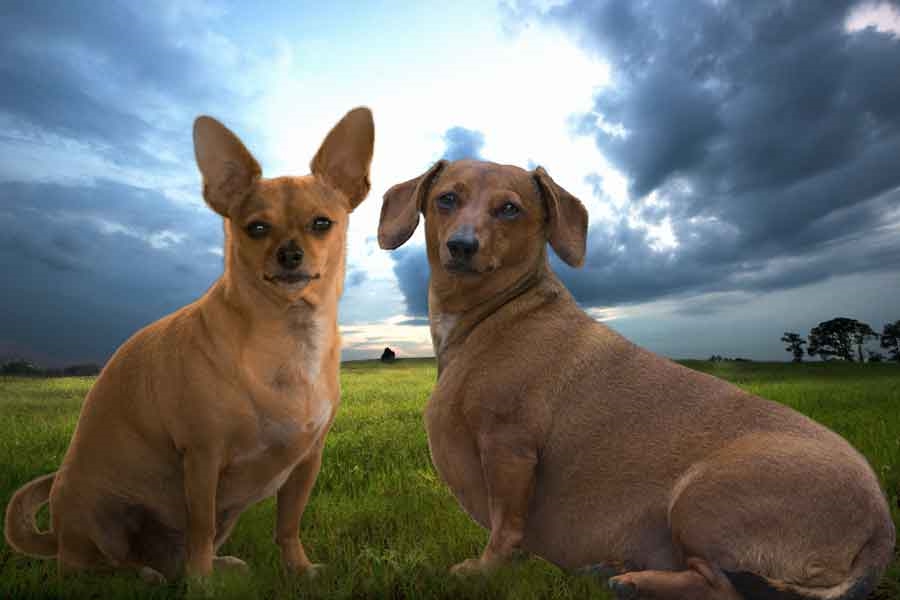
(867, 569)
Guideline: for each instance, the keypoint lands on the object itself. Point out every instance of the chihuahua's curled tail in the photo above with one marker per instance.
(21, 532)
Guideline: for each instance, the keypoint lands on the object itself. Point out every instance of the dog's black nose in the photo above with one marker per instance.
(290, 255)
(463, 245)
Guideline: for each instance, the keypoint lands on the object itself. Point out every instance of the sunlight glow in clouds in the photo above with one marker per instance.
(884, 17)
(519, 89)
(513, 90)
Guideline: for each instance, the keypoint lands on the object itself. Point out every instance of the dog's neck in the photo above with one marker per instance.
(282, 344)
(451, 326)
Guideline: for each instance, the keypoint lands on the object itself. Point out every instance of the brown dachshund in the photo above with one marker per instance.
(565, 439)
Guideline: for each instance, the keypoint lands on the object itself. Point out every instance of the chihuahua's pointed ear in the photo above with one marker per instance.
(567, 219)
(402, 205)
(344, 157)
(227, 167)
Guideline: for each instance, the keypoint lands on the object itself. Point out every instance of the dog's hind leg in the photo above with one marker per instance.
(77, 553)
(700, 581)
(114, 546)
(132, 537)
(797, 517)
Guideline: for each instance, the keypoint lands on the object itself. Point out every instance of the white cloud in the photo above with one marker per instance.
(883, 16)
(165, 239)
(158, 240)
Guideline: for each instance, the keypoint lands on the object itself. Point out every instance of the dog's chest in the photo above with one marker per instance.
(284, 405)
(270, 441)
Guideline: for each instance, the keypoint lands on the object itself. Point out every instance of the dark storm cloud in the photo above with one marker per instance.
(410, 262)
(118, 77)
(622, 266)
(108, 91)
(411, 270)
(84, 268)
(769, 133)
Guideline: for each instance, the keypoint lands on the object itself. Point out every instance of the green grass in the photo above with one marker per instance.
(379, 516)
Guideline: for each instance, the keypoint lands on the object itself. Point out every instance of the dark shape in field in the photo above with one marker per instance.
(388, 355)
(836, 338)
(876, 357)
(720, 358)
(795, 344)
(23, 367)
(890, 339)
(20, 367)
(85, 370)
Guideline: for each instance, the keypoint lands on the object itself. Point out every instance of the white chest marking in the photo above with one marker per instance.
(441, 326)
(304, 363)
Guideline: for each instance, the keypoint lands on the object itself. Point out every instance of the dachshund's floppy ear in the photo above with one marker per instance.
(345, 155)
(567, 219)
(227, 167)
(402, 205)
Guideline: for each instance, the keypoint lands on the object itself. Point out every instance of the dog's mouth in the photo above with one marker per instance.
(291, 279)
(464, 268)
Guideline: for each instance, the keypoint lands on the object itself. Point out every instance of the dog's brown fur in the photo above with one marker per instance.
(226, 401)
(565, 439)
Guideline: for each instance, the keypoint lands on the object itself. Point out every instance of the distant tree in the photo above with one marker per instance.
(20, 367)
(890, 339)
(862, 332)
(85, 370)
(795, 344)
(388, 355)
(833, 338)
(876, 357)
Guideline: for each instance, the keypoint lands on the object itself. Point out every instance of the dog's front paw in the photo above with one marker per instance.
(308, 570)
(313, 570)
(151, 576)
(471, 566)
(230, 563)
(623, 588)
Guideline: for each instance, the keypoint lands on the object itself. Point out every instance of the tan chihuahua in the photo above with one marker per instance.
(226, 401)
(563, 438)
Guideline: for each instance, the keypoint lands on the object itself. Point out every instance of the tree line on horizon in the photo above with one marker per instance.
(843, 338)
(20, 366)
(840, 338)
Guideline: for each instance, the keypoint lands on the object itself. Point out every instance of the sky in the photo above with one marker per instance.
(740, 161)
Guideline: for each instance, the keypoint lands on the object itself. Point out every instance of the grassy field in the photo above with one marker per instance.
(379, 517)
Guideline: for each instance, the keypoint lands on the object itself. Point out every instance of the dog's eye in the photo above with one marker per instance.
(446, 201)
(258, 229)
(322, 224)
(508, 211)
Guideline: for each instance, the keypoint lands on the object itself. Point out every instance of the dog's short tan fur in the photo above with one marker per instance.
(564, 438)
(226, 401)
